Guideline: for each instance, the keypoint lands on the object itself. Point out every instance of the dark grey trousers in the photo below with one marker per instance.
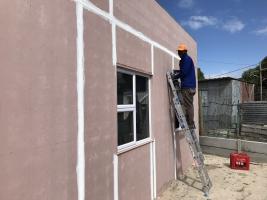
(188, 106)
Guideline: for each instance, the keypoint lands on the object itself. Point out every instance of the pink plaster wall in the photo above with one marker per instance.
(149, 18)
(100, 108)
(134, 54)
(103, 4)
(159, 26)
(176, 63)
(153, 21)
(127, 53)
(134, 174)
(38, 104)
(161, 123)
(38, 114)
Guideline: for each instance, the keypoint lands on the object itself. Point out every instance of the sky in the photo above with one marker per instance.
(230, 34)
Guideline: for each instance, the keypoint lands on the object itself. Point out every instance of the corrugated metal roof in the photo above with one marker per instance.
(223, 79)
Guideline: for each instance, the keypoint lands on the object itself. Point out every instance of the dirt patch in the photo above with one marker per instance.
(228, 184)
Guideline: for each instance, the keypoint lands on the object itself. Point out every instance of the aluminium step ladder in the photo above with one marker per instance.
(190, 134)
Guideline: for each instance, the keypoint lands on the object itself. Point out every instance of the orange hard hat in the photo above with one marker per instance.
(182, 47)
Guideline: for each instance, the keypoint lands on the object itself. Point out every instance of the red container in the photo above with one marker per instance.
(239, 161)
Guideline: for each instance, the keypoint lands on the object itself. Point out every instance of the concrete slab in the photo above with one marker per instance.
(223, 147)
(257, 147)
(218, 142)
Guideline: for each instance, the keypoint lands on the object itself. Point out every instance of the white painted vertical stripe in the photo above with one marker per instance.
(114, 35)
(152, 59)
(114, 62)
(80, 168)
(155, 169)
(151, 171)
(151, 145)
(116, 177)
(111, 7)
(150, 109)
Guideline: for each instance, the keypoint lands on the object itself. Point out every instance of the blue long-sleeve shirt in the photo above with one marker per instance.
(187, 72)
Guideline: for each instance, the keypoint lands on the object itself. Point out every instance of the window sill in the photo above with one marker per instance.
(134, 146)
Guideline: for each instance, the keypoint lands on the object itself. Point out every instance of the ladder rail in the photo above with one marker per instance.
(190, 136)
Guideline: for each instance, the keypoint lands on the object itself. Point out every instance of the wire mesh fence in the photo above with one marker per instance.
(235, 108)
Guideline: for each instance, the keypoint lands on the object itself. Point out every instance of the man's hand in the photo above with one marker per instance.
(175, 74)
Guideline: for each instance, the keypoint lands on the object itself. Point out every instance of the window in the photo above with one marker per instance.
(132, 107)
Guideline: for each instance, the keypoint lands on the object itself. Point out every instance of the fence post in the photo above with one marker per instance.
(238, 125)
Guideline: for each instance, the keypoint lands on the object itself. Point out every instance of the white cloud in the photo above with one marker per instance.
(197, 22)
(233, 25)
(262, 31)
(186, 3)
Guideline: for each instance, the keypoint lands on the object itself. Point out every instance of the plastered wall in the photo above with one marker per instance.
(133, 52)
(100, 108)
(41, 134)
(38, 120)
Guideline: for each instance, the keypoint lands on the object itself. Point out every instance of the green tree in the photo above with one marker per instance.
(200, 74)
(253, 76)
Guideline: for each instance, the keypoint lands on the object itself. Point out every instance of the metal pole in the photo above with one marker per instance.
(261, 80)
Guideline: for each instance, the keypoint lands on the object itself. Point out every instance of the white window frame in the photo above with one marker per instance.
(132, 108)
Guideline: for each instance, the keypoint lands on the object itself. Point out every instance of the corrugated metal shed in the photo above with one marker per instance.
(219, 100)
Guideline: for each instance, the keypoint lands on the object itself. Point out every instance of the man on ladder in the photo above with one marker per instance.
(188, 83)
(185, 115)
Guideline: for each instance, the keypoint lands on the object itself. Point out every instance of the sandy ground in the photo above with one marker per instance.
(228, 184)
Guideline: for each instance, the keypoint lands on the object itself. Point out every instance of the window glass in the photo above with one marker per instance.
(142, 108)
(124, 89)
(133, 117)
(125, 127)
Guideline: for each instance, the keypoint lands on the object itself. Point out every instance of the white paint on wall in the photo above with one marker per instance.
(155, 169)
(85, 4)
(111, 7)
(114, 45)
(94, 9)
(151, 137)
(152, 59)
(151, 171)
(150, 110)
(116, 177)
(107, 16)
(80, 168)
(114, 36)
